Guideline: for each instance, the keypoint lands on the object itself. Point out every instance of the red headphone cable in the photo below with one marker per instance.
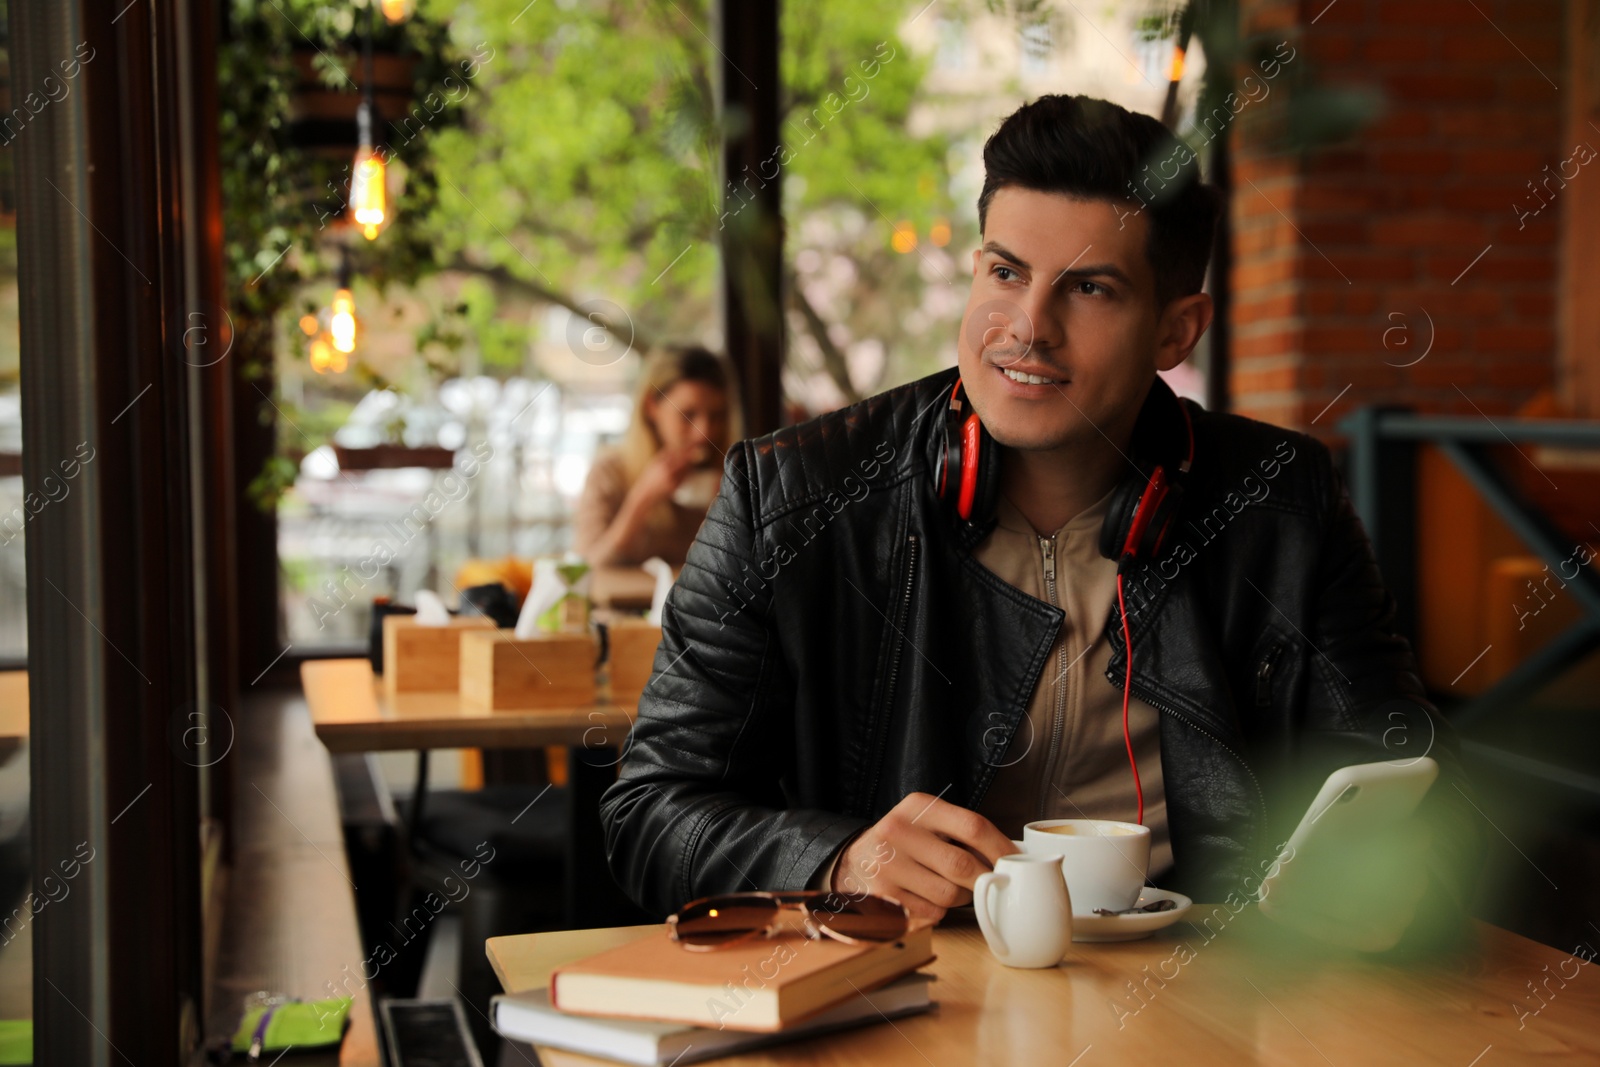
(1127, 690)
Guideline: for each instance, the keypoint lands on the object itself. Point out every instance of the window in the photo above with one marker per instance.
(1035, 45)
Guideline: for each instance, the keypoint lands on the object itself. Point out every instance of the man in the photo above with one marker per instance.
(860, 689)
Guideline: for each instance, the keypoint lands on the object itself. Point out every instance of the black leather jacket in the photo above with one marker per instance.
(832, 645)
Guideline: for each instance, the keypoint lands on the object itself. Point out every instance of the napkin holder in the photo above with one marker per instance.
(501, 671)
(418, 658)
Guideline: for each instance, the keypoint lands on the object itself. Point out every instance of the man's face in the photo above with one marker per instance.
(1061, 290)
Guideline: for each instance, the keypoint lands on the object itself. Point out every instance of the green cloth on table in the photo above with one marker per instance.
(16, 1041)
(298, 1024)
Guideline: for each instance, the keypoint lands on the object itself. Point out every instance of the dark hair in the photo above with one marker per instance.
(1095, 149)
(696, 363)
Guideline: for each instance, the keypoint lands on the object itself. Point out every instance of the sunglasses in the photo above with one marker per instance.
(730, 918)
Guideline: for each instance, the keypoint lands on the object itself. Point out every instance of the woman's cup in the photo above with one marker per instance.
(698, 488)
(1104, 862)
(1024, 911)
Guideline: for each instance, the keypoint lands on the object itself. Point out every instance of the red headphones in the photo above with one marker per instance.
(1140, 514)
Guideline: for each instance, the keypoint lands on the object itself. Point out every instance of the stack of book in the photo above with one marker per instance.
(652, 1001)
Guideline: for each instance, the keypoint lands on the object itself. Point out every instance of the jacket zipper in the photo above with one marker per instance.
(1264, 677)
(899, 639)
(1058, 714)
(1261, 798)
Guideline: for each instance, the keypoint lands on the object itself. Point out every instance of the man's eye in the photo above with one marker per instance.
(1089, 288)
(1007, 270)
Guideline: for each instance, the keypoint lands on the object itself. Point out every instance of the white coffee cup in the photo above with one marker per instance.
(1104, 862)
(1024, 911)
(698, 488)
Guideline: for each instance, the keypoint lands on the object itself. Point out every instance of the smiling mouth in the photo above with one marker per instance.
(1029, 379)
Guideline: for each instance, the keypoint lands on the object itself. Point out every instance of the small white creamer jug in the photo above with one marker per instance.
(1024, 911)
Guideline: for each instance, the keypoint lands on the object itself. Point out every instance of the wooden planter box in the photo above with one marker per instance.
(633, 655)
(501, 671)
(424, 658)
(322, 117)
(391, 457)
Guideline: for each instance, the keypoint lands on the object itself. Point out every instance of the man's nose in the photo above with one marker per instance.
(1035, 325)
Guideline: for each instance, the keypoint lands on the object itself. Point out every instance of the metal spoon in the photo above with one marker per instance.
(1162, 904)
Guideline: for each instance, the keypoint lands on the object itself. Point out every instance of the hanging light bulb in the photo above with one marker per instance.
(396, 10)
(342, 323)
(368, 192)
(367, 200)
(904, 238)
(321, 355)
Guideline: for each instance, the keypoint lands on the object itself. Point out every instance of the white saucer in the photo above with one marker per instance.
(1131, 927)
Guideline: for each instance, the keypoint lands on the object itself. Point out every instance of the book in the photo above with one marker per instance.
(529, 1017)
(764, 984)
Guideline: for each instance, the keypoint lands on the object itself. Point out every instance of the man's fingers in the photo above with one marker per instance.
(930, 886)
(919, 907)
(952, 861)
(964, 826)
(910, 873)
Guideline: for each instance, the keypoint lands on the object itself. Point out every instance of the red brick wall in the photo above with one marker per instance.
(1388, 220)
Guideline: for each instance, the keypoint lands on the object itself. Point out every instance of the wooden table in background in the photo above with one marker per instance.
(352, 712)
(1242, 997)
(623, 588)
(13, 712)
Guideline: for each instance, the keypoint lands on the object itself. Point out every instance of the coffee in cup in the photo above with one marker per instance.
(1104, 862)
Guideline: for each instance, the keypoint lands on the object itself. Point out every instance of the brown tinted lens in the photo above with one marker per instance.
(716, 920)
(866, 918)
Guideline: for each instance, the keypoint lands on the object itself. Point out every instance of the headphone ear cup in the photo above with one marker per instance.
(1167, 509)
(1119, 517)
(987, 497)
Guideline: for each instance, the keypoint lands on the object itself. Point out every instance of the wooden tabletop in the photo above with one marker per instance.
(13, 712)
(1230, 990)
(622, 588)
(14, 705)
(352, 713)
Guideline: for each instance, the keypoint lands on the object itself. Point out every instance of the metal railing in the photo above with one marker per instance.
(1383, 489)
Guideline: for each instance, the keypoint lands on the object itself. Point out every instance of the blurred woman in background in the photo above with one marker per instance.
(648, 495)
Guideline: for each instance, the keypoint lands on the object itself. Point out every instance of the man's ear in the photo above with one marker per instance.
(977, 254)
(1182, 323)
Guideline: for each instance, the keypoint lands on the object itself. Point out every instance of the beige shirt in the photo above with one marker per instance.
(1068, 759)
(669, 533)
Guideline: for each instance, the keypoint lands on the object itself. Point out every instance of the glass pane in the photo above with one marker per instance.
(881, 191)
(462, 423)
(16, 929)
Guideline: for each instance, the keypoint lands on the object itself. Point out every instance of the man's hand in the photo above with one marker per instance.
(1359, 894)
(925, 853)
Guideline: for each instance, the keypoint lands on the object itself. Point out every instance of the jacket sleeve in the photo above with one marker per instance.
(698, 806)
(1365, 702)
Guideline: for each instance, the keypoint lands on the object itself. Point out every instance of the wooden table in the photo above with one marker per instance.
(623, 588)
(1232, 991)
(352, 712)
(13, 712)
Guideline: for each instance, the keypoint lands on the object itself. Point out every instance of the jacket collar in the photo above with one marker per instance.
(1158, 437)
